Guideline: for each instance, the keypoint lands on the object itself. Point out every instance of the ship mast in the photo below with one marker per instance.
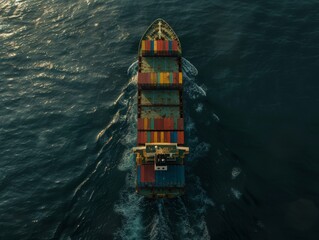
(159, 30)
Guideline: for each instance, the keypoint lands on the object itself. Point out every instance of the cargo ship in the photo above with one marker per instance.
(160, 151)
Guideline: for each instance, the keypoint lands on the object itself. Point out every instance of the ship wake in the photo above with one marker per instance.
(181, 218)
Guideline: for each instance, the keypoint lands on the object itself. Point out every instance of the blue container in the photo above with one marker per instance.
(170, 46)
(170, 77)
(173, 137)
(173, 177)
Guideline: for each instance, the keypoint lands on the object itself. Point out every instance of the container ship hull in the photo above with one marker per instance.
(160, 151)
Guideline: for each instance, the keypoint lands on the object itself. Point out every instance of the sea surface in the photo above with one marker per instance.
(68, 120)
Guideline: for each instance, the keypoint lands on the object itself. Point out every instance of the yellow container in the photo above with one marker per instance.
(162, 137)
(145, 123)
(167, 77)
(155, 137)
(155, 46)
(143, 45)
(163, 77)
(180, 77)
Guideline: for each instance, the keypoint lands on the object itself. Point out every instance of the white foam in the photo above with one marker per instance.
(130, 208)
(160, 226)
(235, 172)
(216, 118)
(132, 70)
(236, 193)
(188, 68)
(199, 107)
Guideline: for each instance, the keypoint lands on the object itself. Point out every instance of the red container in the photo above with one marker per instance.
(161, 123)
(143, 137)
(175, 46)
(165, 47)
(167, 136)
(140, 138)
(156, 123)
(147, 173)
(147, 45)
(140, 77)
(159, 45)
(171, 124)
(166, 123)
(180, 123)
(148, 79)
(180, 137)
(175, 77)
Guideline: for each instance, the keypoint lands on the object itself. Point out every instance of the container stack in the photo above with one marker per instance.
(160, 78)
(160, 48)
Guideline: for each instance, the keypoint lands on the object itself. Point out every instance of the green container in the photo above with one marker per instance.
(148, 136)
(152, 123)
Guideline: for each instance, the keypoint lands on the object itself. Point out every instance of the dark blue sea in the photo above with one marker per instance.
(68, 120)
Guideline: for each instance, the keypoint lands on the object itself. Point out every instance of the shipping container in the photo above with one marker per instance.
(147, 45)
(180, 78)
(173, 177)
(180, 137)
(143, 45)
(175, 47)
(174, 137)
(147, 173)
(180, 124)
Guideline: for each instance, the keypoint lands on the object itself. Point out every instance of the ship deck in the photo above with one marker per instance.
(159, 64)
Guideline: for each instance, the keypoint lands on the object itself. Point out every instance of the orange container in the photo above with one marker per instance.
(180, 77)
(145, 124)
(155, 137)
(162, 137)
